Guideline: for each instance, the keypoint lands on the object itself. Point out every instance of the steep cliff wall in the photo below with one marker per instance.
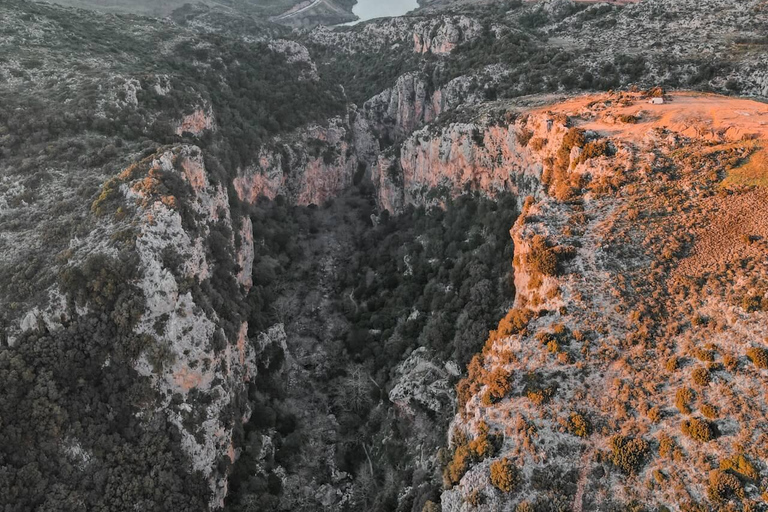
(310, 166)
(204, 360)
(163, 216)
(624, 353)
(487, 155)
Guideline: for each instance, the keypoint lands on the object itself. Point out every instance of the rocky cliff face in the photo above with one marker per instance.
(164, 213)
(444, 161)
(308, 167)
(200, 362)
(441, 35)
(437, 34)
(606, 372)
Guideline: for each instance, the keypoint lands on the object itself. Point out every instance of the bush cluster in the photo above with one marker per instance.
(578, 425)
(629, 453)
(698, 429)
(758, 356)
(723, 486)
(504, 475)
(541, 259)
(683, 398)
(700, 376)
(741, 466)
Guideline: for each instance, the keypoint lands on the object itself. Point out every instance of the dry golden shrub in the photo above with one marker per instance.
(497, 384)
(697, 429)
(504, 475)
(700, 376)
(723, 486)
(629, 453)
(578, 425)
(758, 356)
(683, 398)
(709, 411)
(541, 259)
(741, 466)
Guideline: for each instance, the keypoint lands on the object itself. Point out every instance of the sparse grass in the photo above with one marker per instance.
(754, 172)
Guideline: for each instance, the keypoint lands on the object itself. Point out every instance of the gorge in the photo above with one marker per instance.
(489, 256)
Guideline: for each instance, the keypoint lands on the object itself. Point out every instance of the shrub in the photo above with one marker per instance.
(629, 118)
(498, 386)
(482, 446)
(700, 376)
(466, 452)
(759, 356)
(578, 425)
(730, 362)
(709, 411)
(698, 429)
(723, 486)
(703, 355)
(741, 466)
(513, 322)
(504, 475)
(628, 453)
(539, 396)
(594, 149)
(574, 137)
(672, 364)
(459, 464)
(541, 259)
(537, 143)
(754, 302)
(524, 136)
(667, 446)
(474, 498)
(683, 398)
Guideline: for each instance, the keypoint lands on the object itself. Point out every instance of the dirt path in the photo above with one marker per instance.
(315, 3)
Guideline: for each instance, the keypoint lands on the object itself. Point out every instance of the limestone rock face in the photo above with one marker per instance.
(591, 403)
(200, 356)
(197, 122)
(438, 162)
(423, 382)
(308, 167)
(440, 36)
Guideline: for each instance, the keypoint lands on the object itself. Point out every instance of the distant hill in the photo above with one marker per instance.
(166, 7)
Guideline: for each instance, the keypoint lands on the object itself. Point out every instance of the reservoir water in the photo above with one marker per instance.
(370, 9)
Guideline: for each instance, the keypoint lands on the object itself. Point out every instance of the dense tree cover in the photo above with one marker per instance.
(89, 117)
(78, 429)
(426, 278)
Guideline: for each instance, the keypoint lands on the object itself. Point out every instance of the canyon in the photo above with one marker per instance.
(266, 275)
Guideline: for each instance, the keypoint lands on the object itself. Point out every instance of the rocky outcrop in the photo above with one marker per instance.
(396, 112)
(308, 167)
(585, 389)
(437, 34)
(438, 162)
(441, 35)
(422, 382)
(296, 53)
(196, 122)
(199, 359)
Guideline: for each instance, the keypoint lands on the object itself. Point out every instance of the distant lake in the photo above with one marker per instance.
(370, 9)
